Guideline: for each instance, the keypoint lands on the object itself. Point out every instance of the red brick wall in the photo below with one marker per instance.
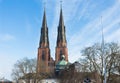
(64, 52)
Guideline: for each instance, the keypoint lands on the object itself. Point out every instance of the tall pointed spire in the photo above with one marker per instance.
(44, 60)
(44, 24)
(61, 30)
(44, 40)
(61, 21)
(61, 44)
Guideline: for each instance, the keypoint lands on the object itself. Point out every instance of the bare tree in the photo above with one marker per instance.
(26, 69)
(23, 67)
(93, 58)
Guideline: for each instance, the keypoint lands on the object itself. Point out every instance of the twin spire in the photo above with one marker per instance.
(44, 40)
(44, 24)
(61, 37)
(61, 21)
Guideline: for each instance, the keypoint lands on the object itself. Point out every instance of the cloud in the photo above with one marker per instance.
(91, 33)
(69, 10)
(6, 37)
(7, 65)
(84, 9)
(95, 25)
(84, 24)
(114, 36)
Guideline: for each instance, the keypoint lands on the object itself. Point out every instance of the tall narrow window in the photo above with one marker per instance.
(43, 55)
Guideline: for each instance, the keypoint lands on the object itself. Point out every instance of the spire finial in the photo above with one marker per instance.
(44, 16)
(61, 3)
(44, 5)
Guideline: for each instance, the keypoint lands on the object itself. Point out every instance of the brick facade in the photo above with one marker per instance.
(61, 44)
(45, 64)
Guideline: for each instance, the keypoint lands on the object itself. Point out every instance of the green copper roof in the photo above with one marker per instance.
(62, 62)
(61, 65)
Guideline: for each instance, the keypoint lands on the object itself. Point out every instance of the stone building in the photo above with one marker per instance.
(45, 63)
(69, 73)
(72, 75)
(61, 44)
(61, 65)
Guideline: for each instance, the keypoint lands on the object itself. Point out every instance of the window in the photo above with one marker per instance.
(43, 55)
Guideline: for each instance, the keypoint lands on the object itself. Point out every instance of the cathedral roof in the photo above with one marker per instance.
(44, 23)
(61, 20)
(44, 40)
(61, 31)
(62, 63)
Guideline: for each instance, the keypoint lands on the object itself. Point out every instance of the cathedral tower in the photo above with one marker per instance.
(44, 59)
(61, 44)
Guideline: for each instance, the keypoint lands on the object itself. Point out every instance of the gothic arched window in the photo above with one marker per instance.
(43, 55)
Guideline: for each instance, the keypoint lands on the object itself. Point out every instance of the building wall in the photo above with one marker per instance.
(59, 52)
(44, 60)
